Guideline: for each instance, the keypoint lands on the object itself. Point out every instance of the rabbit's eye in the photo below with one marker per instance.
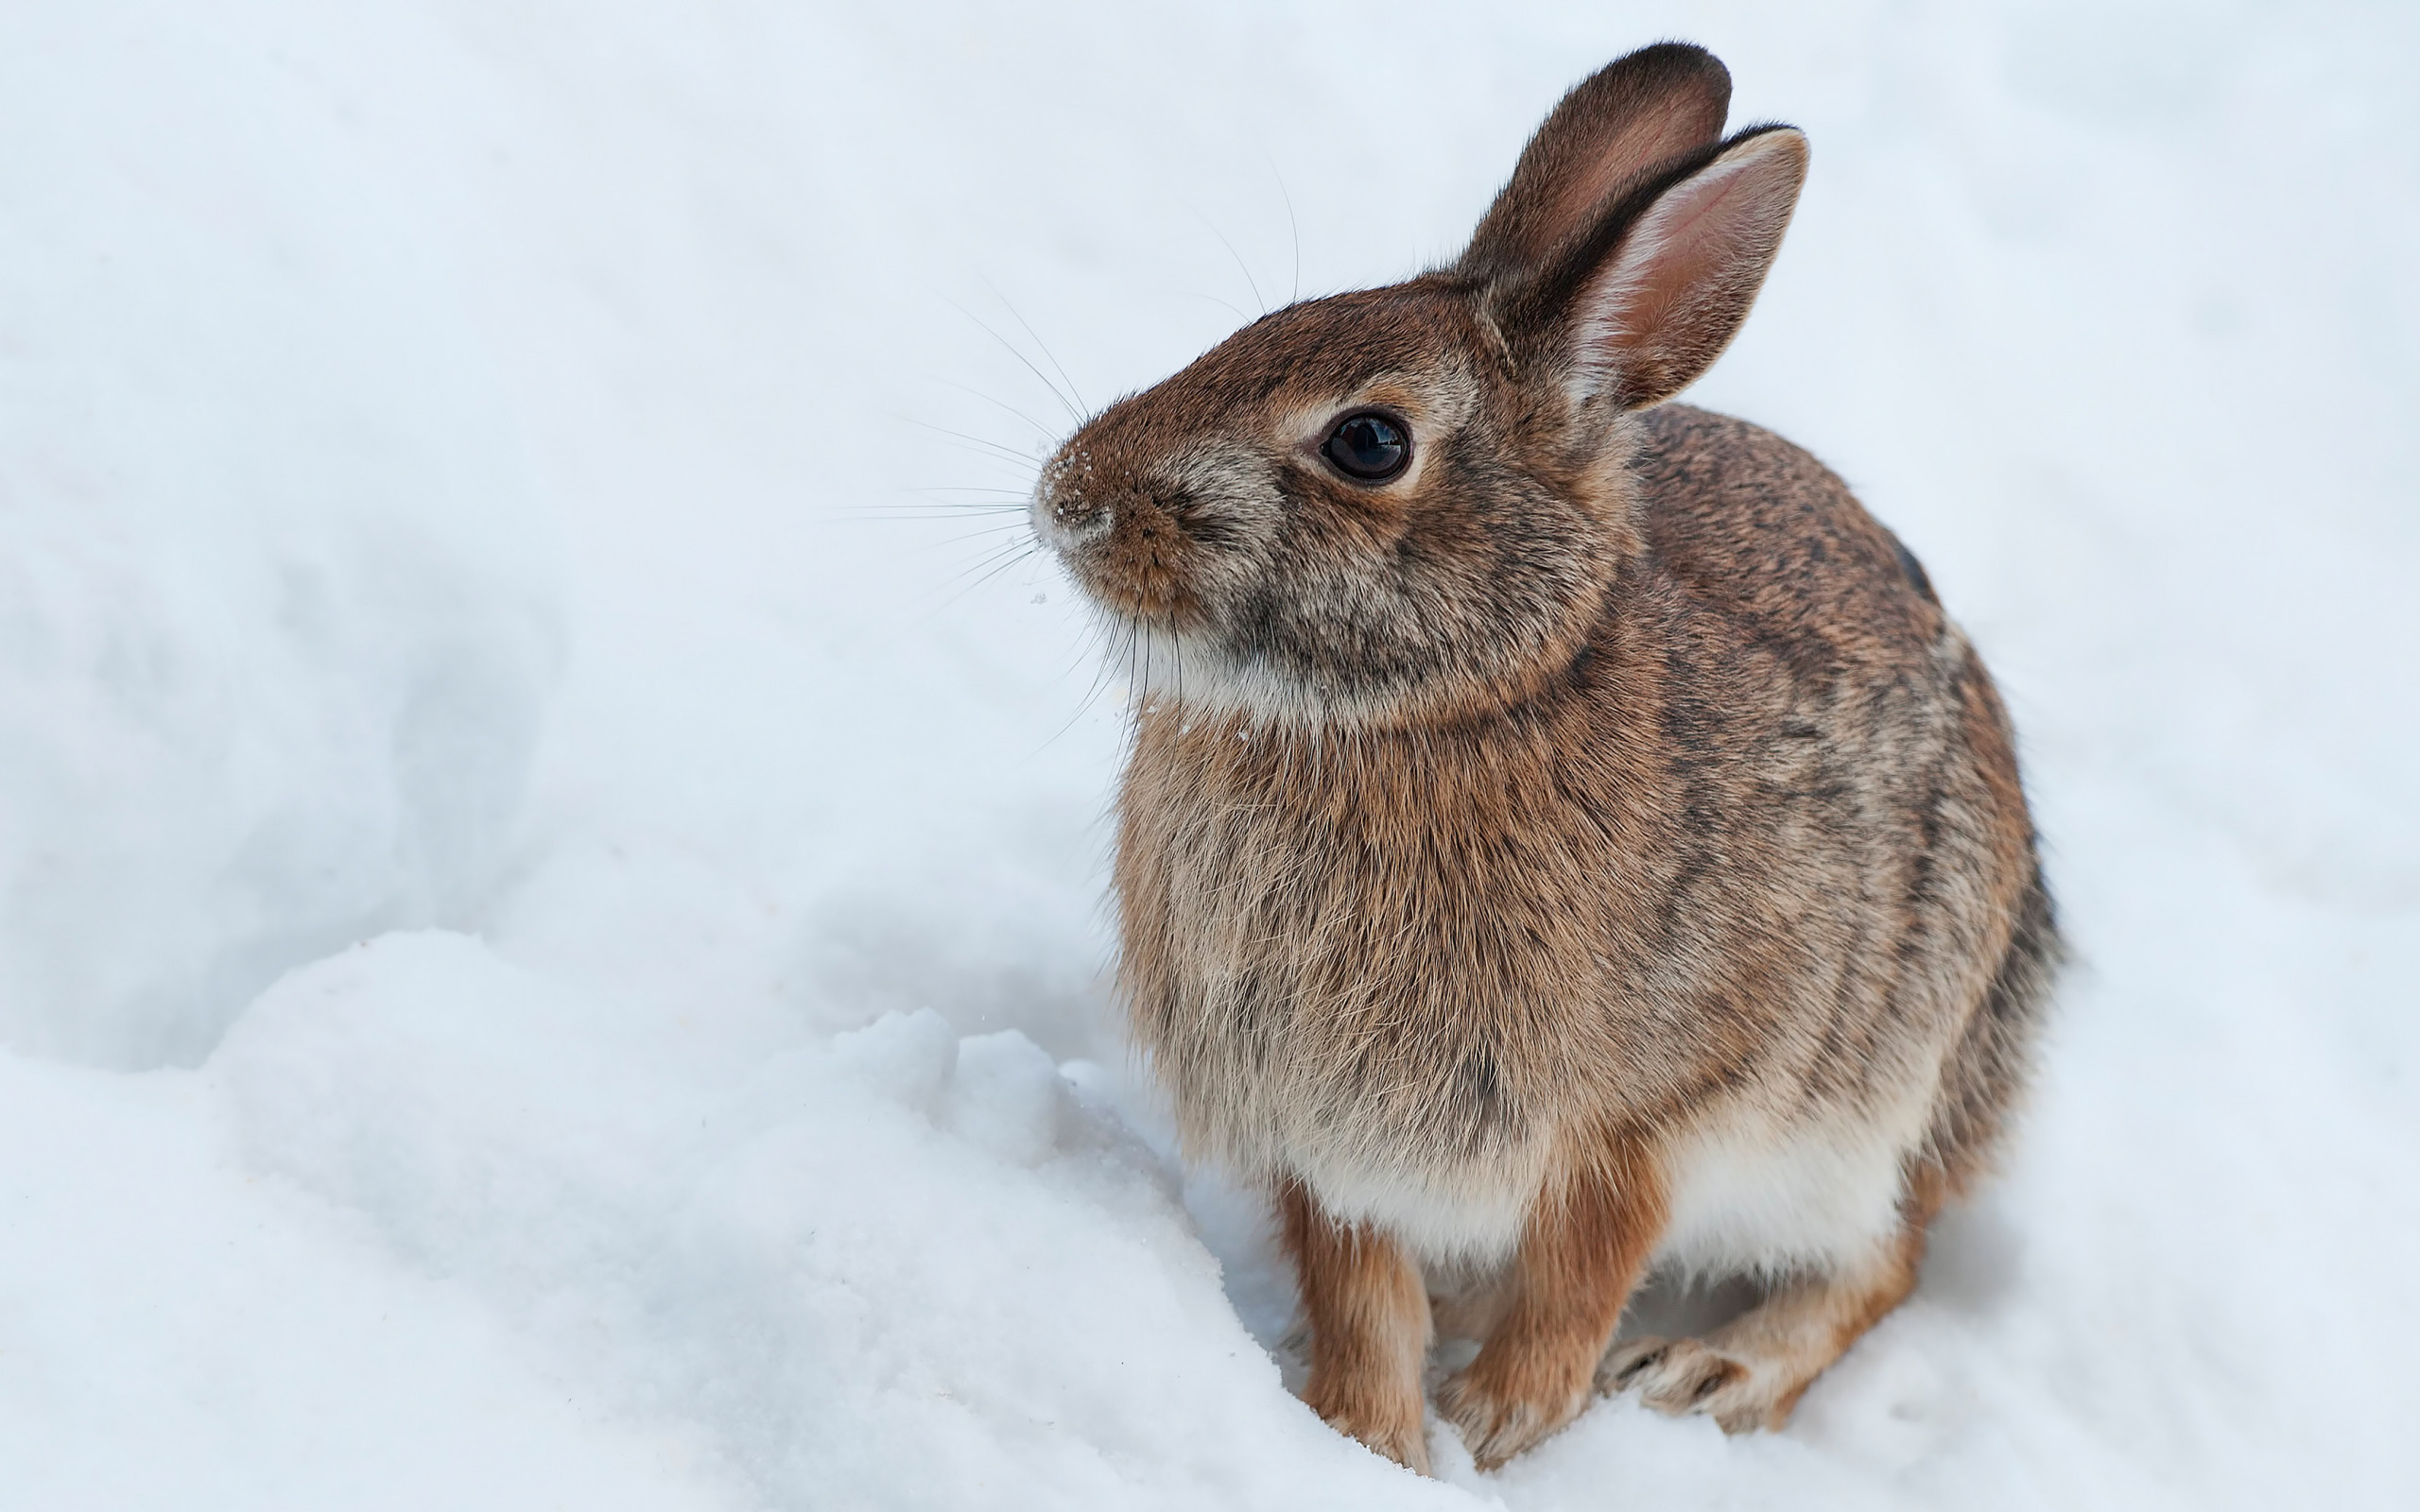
(1369, 447)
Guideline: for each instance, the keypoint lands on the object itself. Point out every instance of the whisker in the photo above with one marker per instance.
(1294, 227)
(1007, 504)
(995, 553)
(964, 537)
(1002, 527)
(927, 509)
(1064, 402)
(1052, 357)
(952, 516)
(1014, 557)
(1099, 645)
(996, 448)
(1229, 306)
(1048, 434)
(1250, 281)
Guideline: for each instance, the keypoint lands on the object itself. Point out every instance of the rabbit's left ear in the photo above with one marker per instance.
(1634, 113)
(1643, 304)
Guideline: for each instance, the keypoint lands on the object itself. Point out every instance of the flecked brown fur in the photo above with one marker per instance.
(1522, 857)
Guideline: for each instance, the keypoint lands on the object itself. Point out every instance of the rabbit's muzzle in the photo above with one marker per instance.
(1129, 548)
(1067, 521)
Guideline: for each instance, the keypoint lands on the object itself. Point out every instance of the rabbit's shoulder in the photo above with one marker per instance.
(1756, 530)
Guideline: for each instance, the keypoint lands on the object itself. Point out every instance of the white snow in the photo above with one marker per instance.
(550, 933)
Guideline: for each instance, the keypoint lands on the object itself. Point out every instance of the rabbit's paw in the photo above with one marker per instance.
(1382, 1427)
(1685, 1376)
(1393, 1435)
(1502, 1413)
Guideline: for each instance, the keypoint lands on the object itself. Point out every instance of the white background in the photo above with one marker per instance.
(551, 934)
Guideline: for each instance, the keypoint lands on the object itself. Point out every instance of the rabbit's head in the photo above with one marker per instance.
(1394, 505)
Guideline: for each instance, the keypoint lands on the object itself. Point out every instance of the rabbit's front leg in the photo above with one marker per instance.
(1369, 1328)
(1582, 1252)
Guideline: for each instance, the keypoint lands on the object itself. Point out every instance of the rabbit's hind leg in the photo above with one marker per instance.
(1751, 1372)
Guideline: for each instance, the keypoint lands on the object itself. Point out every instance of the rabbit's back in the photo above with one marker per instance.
(1760, 532)
(1904, 761)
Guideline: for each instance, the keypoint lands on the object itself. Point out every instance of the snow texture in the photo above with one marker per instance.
(550, 933)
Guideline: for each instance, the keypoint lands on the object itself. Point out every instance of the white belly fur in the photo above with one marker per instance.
(1745, 1199)
(1471, 1223)
(1817, 1196)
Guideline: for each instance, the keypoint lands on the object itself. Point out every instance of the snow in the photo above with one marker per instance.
(551, 934)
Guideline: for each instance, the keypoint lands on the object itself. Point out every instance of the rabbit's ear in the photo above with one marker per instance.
(1646, 300)
(1624, 119)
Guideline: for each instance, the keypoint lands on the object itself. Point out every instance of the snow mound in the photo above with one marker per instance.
(896, 1267)
(234, 1344)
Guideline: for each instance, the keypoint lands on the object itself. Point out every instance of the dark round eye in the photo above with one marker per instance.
(1368, 446)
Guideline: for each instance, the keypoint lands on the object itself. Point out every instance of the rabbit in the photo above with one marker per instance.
(1563, 834)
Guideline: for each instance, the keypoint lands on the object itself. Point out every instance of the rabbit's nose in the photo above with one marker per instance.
(1068, 519)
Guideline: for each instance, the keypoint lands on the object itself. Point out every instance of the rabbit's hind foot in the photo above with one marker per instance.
(1751, 1372)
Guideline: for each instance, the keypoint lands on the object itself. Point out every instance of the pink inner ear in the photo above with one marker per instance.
(1675, 291)
(1678, 243)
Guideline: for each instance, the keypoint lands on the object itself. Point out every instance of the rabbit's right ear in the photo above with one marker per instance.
(1622, 120)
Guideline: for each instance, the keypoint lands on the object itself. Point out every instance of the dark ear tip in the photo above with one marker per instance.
(1663, 102)
(1674, 60)
(1675, 51)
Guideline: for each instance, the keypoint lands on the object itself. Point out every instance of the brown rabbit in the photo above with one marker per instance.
(1564, 836)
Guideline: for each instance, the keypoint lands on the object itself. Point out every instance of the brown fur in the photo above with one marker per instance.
(1512, 849)
(1585, 1247)
(1369, 1327)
